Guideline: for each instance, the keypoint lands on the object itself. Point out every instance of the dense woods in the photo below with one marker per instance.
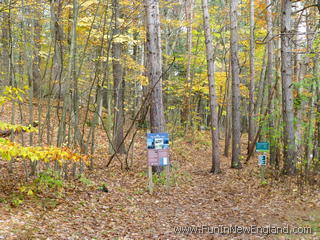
(83, 81)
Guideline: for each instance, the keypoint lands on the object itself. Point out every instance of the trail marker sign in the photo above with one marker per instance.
(158, 155)
(262, 160)
(158, 149)
(262, 147)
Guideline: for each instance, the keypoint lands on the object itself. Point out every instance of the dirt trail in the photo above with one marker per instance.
(197, 198)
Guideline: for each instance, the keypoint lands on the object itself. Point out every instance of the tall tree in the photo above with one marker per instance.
(270, 76)
(185, 117)
(71, 79)
(212, 91)
(58, 49)
(251, 134)
(118, 82)
(236, 125)
(316, 151)
(154, 65)
(36, 74)
(287, 96)
(5, 66)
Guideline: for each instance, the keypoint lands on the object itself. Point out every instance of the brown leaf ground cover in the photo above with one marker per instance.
(195, 198)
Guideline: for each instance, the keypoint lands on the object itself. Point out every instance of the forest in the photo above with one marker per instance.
(159, 119)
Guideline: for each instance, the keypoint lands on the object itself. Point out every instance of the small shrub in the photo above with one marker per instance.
(48, 182)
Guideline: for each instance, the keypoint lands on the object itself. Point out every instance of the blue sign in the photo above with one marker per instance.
(262, 160)
(158, 140)
(262, 147)
(164, 161)
(158, 149)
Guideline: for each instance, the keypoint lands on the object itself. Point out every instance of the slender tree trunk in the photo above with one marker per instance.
(5, 67)
(36, 75)
(74, 54)
(56, 87)
(142, 122)
(251, 134)
(118, 83)
(316, 150)
(185, 117)
(155, 65)
(270, 77)
(236, 124)
(69, 80)
(213, 102)
(287, 86)
(261, 87)
(228, 118)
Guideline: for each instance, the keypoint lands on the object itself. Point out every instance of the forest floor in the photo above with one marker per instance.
(195, 198)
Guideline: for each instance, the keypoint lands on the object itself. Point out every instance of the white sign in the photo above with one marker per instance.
(158, 142)
(262, 160)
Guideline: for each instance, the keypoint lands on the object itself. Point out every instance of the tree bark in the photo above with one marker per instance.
(316, 150)
(236, 125)
(185, 116)
(287, 96)
(155, 65)
(251, 133)
(69, 80)
(36, 74)
(270, 77)
(118, 83)
(5, 50)
(213, 102)
(57, 63)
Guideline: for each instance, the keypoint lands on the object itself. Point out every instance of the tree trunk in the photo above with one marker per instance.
(57, 65)
(118, 83)
(213, 102)
(36, 75)
(316, 150)
(287, 96)
(185, 116)
(228, 120)
(70, 77)
(251, 133)
(261, 87)
(5, 50)
(270, 77)
(236, 126)
(155, 65)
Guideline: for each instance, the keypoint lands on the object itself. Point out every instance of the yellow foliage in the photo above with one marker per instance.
(10, 150)
(12, 93)
(88, 3)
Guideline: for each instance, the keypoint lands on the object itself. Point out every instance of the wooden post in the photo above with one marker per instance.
(167, 177)
(150, 179)
(262, 173)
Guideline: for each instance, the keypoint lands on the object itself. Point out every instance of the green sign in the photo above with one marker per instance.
(262, 147)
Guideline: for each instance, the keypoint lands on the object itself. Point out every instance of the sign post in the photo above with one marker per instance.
(158, 155)
(264, 148)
